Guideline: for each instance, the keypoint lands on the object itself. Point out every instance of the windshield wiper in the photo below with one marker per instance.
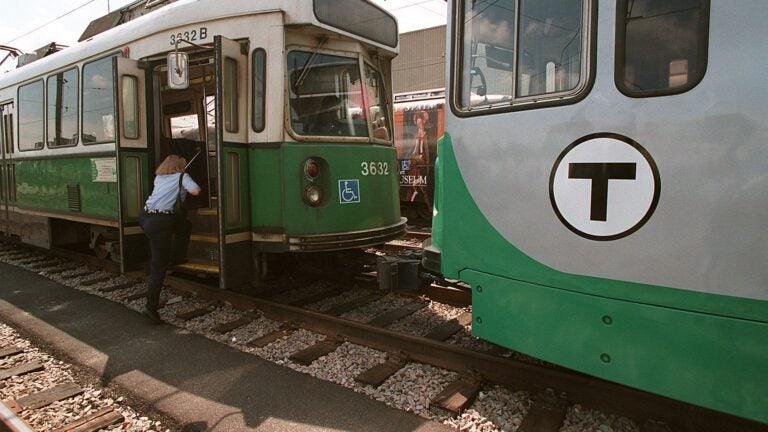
(308, 65)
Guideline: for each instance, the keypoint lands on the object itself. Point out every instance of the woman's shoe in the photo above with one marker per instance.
(152, 315)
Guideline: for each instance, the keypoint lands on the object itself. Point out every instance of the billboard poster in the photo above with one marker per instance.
(418, 125)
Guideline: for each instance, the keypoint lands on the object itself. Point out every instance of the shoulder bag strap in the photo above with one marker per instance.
(178, 195)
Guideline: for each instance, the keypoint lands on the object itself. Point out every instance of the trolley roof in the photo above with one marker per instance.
(180, 13)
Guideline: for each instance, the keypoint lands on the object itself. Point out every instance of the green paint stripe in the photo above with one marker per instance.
(706, 360)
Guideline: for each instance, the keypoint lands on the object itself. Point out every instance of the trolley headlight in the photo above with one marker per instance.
(312, 195)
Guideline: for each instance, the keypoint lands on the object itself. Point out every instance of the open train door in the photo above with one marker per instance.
(232, 150)
(131, 158)
(6, 179)
(6, 148)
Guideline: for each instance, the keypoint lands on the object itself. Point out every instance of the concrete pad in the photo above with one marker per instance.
(203, 384)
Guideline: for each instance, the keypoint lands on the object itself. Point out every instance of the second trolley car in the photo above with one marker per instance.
(602, 187)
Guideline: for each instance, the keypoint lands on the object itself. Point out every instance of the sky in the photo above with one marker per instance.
(31, 24)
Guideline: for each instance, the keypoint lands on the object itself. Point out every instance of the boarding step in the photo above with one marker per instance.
(197, 267)
(204, 220)
(204, 248)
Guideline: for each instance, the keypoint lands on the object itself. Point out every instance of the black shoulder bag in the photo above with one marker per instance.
(178, 207)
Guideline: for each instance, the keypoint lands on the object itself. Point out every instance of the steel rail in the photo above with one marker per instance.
(583, 389)
(580, 388)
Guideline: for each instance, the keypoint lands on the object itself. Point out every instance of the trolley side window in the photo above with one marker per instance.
(62, 109)
(259, 88)
(661, 46)
(520, 52)
(98, 120)
(31, 116)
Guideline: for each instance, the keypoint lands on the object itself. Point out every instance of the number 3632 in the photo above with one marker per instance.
(374, 168)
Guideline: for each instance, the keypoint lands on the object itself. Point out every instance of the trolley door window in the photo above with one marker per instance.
(130, 107)
(259, 88)
(31, 118)
(11, 182)
(233, 188)
(661, 46)
(133, 188)
(62, 109)
(230, 95)
(326, 95)
(520, 52)
(210, 121)
(98, 120)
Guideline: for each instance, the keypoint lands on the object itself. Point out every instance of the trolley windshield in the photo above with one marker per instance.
(330, 98)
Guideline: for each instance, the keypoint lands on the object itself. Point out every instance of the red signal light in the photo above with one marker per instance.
(311, 169)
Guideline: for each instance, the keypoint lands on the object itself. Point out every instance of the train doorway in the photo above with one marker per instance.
(205, 123)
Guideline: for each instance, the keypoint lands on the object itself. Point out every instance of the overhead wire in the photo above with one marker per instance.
(424, 7)
(50, 22)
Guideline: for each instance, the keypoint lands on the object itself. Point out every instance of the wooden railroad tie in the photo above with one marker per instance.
(314, 298)
(545, 415)
(197, 312)
(308, 355)
(457, 396)
(76, 274)
(22, 369)
(17, 255)
(99, 420)
(136, 296)
(276, 290)
(262, 341)
(449, 328)
(62, 268)
(48, 396)
(388, 318)
(118, 287)
(33, 260)
(232, 325)
(9, 351)
(44, 264)
(376, 375)
(94, 281)
(343, 308)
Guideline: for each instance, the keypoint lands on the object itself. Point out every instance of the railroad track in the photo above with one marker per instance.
(412, 240)
(40, 394)
(324, 320)
(91, 420)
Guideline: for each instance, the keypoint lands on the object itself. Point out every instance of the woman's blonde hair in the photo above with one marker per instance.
(171, 165)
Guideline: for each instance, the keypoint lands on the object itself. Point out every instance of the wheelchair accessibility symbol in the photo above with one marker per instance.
(349, 191)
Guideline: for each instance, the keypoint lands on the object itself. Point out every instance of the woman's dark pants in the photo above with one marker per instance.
(168, 241)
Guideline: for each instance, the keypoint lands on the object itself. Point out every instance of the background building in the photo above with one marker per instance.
(421, 63)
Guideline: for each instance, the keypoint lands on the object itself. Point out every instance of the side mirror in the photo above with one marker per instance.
(178, 70)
